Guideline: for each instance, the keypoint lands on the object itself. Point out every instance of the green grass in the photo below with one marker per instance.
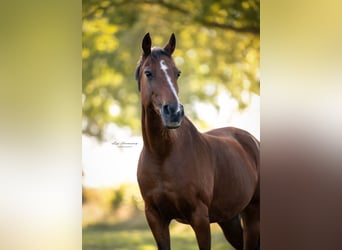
(126, 228)
(134, 234)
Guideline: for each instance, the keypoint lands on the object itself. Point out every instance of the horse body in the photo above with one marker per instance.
(195, 178)
(177, 180)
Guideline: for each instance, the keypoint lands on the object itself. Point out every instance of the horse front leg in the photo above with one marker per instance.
(201, 225)
(159, 226)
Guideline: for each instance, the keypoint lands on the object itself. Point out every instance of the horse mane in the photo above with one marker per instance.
(156, 52)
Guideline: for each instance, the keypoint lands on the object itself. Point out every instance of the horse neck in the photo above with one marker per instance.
(159, 140)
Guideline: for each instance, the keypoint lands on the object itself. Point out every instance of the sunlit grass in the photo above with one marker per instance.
(125, 228)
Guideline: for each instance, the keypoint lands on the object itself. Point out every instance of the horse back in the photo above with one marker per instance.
(248, 142)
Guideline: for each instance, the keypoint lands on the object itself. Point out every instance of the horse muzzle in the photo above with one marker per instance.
(172, 115)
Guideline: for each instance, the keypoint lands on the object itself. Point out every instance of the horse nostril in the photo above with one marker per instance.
(166, 109)
(170, 109)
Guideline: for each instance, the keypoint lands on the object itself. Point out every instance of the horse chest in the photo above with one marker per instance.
(165, 186)
(173, 202)
(169, 192)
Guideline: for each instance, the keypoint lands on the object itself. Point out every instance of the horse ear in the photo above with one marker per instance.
(146, 44)
(170, 47)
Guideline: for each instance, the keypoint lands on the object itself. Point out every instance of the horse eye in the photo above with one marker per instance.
(148, 73)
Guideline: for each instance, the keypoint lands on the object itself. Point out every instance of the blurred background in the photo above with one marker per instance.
(40, 117)
(218, 43)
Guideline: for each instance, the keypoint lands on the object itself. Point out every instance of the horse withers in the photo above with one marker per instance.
(195, 178)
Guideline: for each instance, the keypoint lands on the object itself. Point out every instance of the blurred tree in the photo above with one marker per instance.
(217, 50)
(118, 198)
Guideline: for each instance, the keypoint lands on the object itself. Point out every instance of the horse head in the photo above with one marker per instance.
(157, 77)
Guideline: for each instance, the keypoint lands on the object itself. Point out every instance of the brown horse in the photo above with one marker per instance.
(195, 178)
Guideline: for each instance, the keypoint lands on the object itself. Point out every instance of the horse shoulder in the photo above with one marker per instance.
(147, 172)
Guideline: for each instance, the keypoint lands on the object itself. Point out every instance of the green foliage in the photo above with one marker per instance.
(217, 50)
(118, 198)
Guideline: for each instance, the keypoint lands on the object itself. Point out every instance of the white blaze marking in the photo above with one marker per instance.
(164, 68)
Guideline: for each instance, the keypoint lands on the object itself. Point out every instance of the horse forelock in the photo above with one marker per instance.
(156, 52)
